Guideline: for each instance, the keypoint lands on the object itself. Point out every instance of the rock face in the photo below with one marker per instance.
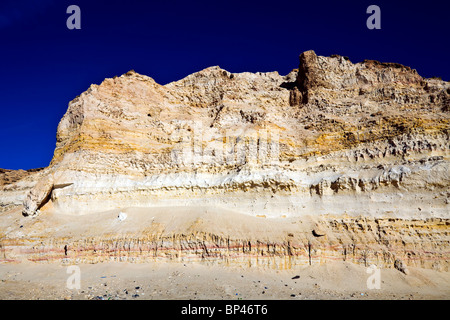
(14, 185)
(330, 137)
(363, 147)
(212, 235)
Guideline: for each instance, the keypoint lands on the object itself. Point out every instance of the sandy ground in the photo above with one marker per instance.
(167, 281)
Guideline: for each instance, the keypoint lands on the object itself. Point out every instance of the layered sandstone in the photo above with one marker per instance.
(363, 147)
(15, 184)
(217, 236)
(330, 132)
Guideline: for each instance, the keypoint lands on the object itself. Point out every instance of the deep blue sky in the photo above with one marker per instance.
(44, 65)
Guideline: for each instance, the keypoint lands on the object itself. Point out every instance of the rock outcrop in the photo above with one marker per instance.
(334, 138)
(212, 235)
(15, 184)
(372, 134)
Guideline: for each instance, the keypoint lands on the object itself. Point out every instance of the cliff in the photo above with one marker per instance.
(360, 149)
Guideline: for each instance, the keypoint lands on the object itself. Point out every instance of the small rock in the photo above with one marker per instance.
(296, 277)
(400, 266)
(135, 295)
(318, 232)
(122, 216)
(292, 295)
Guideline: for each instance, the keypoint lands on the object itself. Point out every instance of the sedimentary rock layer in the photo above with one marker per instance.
(15, 184)
(214, 236)
(371, 136)
(334, 161)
